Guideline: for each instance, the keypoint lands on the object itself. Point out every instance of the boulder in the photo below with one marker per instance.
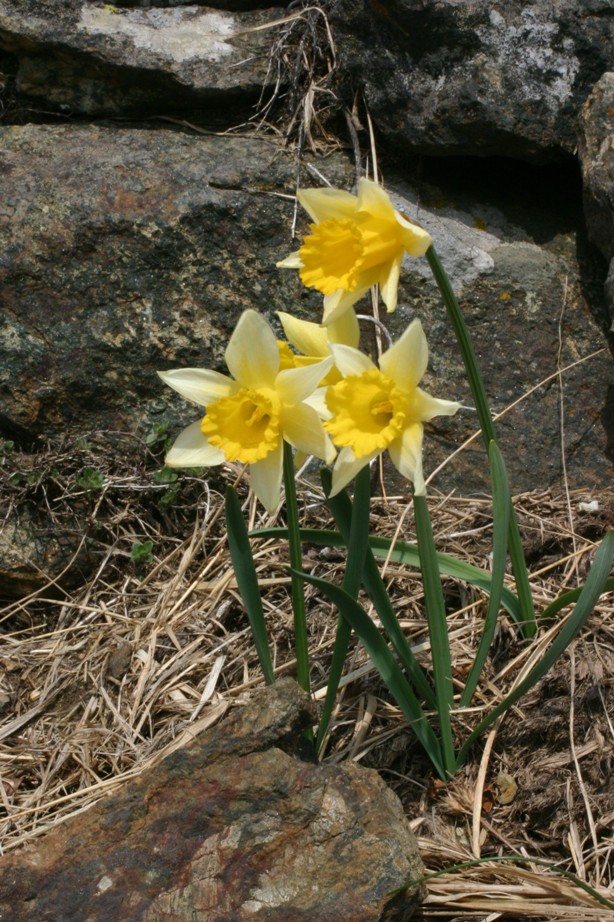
(474, 77)
(81, 58)
(125, 251)
(596, 152)
(235, 826)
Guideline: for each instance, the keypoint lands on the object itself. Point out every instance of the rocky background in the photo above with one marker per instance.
(149, 157)
(146, 193)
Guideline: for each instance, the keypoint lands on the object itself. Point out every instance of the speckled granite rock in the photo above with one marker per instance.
(474, 77)
(125, 251)
(233, 827)
(596, 152)
(78, 57)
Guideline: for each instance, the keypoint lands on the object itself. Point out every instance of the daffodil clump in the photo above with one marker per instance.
(317, 394)
(331, 396)
(317, 389)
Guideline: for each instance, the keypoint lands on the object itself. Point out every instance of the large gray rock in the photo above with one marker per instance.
(125, 251)
(596, 152)
(78, 57)
(233, 827)
(474, 77)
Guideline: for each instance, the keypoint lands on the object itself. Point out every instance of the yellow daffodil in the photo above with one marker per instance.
(373, 409)
(313, 341)
(355, 242)
(249, 415)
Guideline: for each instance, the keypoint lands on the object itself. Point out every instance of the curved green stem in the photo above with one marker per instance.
(296, 562)
(489, 435)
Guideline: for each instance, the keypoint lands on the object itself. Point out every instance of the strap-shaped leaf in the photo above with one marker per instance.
(341, 508)
(438, 629)
(247, 581)
(501, 503)
(403, 552)
(301, 644)
(455, 315)
(386, 665)
(357, 543)
(592, 589)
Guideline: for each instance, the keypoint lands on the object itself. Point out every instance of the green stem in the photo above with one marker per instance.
(438, 629)
(357, 547)
(480, 399)
(296, 562)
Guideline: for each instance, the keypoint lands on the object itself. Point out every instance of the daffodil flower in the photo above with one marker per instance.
(249, 415)
(313, 341)
(373, 409)
(355, 242)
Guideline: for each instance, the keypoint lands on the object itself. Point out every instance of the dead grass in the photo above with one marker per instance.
(132, 649)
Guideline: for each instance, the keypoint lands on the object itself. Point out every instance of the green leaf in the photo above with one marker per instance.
(403, 552)
(90, 479)
(438, 628)
(501, 515)
(247, 581)
(301, 645)
(165, 475)
(526, 618)
(358, 536)
(595, 584)
(341, 508)
(158, 437)
(386, 665)
(568, 598)
(141, 552)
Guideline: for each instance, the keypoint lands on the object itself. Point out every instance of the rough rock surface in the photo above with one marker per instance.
(597, 158)
(77, 57)
(125, 251)
(474, 77)
(233, 827)
(596, 152)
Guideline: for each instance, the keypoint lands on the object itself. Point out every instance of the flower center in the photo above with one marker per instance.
(244, 426)
(332, 256)
(337, 252)
(368, 412)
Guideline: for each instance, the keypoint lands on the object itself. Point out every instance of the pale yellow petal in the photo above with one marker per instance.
(346, 467)
(266, 478)
(293, 261)
(191, 449)
(294, 385)
(428, 407)
(322, 204)
(350, 361)
(317, 400)
(373, 199)
(252, 354)
(406, 455)
(416, 240)
(302, 427)
(200, 385)
(389, 283)
(406, 360)
(339, 302)
(345, 330)
(309, 338)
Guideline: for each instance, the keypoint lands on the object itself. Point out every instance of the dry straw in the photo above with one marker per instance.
(100, 681)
